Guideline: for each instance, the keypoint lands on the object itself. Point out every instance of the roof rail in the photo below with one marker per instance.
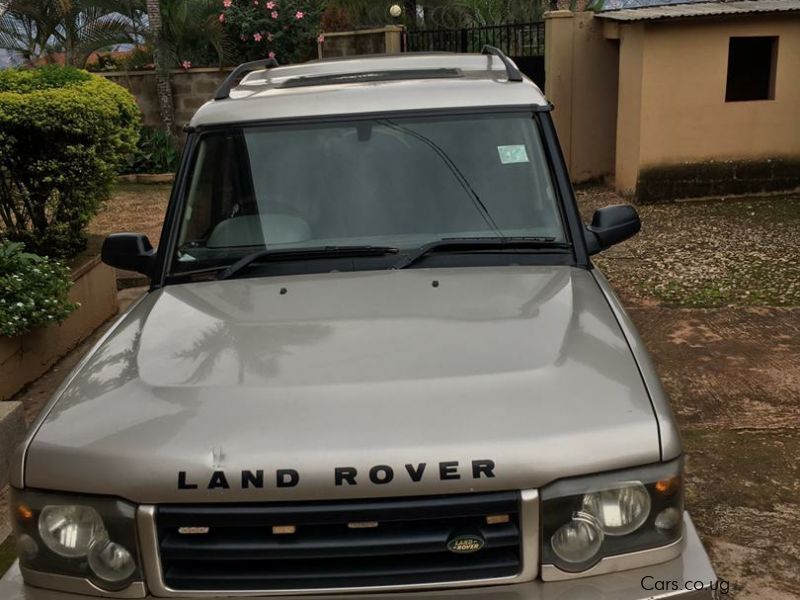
(224, 91)
(368, 76)
(512, 71)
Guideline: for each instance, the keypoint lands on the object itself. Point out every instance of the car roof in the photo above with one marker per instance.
(371, 84)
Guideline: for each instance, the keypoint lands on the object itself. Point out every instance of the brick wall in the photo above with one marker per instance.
(190, 90)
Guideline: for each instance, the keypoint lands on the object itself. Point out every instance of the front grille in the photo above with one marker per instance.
(337, 544)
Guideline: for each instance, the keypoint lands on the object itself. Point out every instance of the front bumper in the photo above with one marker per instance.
(688, 577)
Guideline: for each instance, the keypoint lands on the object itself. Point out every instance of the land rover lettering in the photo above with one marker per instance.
(376, 475)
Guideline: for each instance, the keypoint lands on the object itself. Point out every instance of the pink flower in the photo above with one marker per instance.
(227, 3)
(221, 17)
(270, 37)
(274, 14)
(270, 5)
(186, 64)
(271, 54)
(255, 2)
(299, 15)
(257, 37)
(321, 38)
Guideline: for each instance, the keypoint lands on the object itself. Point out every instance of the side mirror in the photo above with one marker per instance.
(129, 251)
(611, 225)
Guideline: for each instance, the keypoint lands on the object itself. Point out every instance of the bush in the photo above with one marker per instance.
(156, 152)
(284, 29)
(63, 135)
(24, 81)
(33, 290)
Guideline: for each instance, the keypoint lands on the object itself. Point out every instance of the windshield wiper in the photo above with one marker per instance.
(451, 165)
(270, 254)
(467, 244)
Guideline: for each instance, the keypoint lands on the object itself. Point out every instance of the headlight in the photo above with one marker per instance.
(589, 518)
(70, 530)
(620, 510)
(111, 561)
(78, 536)
(579, 540)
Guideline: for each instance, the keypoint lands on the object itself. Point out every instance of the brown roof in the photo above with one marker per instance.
(700, 9)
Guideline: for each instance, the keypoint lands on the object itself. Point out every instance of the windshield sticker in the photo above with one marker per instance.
(513, 154)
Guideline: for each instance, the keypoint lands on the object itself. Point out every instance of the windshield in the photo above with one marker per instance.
(398, 182)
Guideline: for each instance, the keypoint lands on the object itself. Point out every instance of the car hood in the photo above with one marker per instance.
(494, 378)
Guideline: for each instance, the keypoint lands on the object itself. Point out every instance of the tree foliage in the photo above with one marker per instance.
(37, 29)
(63, 135)
(192, 32)
(434, 14)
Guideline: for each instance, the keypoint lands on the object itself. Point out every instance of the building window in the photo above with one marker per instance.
(751, 68)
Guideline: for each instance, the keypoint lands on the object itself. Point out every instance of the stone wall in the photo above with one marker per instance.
(190, 90)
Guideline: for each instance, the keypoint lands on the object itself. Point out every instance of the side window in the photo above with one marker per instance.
(220, 188)
(751, 68)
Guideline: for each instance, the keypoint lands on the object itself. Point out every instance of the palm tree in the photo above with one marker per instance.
(192, 27)
(160, 57)
(35, 28)
(175, 27)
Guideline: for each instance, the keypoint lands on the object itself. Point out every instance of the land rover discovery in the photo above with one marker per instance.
(375, 359)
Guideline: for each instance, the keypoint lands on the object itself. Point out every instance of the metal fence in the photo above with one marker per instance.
(516, 40)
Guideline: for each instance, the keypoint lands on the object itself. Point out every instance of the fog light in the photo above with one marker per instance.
(579, 540)
(70, 530)
(110, 561)
(668, 519)
(27, 548)
(620, 511)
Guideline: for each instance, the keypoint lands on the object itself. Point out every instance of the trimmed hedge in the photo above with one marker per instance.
(23, 81)
(63, 135)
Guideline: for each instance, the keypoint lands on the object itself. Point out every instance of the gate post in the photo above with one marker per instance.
(558, 61)
(581, 80)
(394, 39)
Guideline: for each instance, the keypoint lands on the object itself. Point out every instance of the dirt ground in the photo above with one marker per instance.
(731, 365)
(135, 208)
(741, 252)
(714, 288)
(733, 376)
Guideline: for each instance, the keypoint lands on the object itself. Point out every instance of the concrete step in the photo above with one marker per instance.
(12, 430)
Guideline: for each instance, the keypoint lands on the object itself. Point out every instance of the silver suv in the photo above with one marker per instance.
(375, 357)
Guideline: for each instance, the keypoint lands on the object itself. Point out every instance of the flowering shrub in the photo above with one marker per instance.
(33, 290)
(282, 29)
